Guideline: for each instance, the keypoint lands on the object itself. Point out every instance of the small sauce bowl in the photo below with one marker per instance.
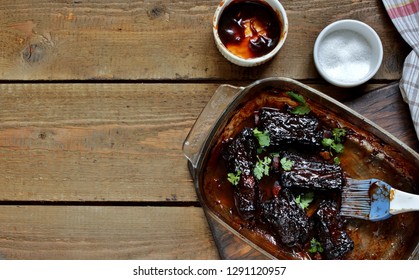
(347, 53)
(250, 32)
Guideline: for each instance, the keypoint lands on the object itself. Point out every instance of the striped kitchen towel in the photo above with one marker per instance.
(405, 17)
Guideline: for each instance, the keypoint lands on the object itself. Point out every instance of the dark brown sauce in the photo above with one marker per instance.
(249, 29)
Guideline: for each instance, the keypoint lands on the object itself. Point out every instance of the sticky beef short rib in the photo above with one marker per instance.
(287, 218)
(330, 230)
(245, 197)
(241, 154)
(310, 173)
(287, 128)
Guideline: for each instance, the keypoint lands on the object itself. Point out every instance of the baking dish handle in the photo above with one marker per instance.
(193, 145)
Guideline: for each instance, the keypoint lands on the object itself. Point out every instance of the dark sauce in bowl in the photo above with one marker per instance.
(249, 29)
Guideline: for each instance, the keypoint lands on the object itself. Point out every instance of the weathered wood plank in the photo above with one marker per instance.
(156, 40)
(385, 106)
(97, 142)
(67, 232)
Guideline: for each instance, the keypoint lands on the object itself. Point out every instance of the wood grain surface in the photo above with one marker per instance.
(164, 40)
(97, 97)
(80, 232)
(97, 142)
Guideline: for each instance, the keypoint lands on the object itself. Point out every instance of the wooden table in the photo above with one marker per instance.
(97, 97)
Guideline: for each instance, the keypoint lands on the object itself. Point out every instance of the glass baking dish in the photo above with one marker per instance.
(396, 238)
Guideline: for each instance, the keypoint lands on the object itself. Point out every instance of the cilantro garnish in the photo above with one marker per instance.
(286, 164)
(262, 167)
(301, 109)
(234, 178)
(263, 137)
(327, 142)
(304, 200)
(315, 246)
(332, 145)
(336, 160)
(338, 133)
(297, 97)
(335, 143)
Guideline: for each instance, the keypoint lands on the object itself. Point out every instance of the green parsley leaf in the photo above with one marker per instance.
(315, 246)
(286, 164)
(327, 142)
(304, 200)
(262, 167)
(263, 137)
(338, 133)
(297, 97)
(260, 150)
(335, 143)
(234, 178)
(338, 148)
(301, 109)
(336, 160)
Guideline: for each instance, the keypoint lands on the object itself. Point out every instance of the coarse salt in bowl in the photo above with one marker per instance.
(348, 53)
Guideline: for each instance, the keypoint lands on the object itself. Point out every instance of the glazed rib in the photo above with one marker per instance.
(312, 174)
(241, 154)
(287, 218)
(287, 128)
(330, 229)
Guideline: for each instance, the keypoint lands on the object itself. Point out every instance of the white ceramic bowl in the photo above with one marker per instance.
(282, 16)
(348, 53)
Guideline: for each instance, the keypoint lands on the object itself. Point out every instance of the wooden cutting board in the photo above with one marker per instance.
(385, 107)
